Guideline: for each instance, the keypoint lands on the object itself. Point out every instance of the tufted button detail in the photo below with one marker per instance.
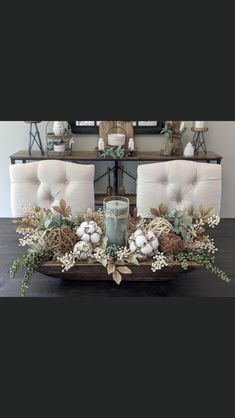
(66, 182)
(52, 199)
(38, 183)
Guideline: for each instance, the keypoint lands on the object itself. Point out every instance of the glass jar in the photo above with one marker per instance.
(116, 214)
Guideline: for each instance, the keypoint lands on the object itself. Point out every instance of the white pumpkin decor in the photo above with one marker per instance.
(89, 232)
(82, 250)
(144, 242)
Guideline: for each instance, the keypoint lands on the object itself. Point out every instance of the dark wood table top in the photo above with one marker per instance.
(199, 283)
(94, 156)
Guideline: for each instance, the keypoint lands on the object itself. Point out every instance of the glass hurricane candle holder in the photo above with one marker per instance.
(116, 213)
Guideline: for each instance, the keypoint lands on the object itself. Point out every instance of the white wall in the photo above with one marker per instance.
(221, 139)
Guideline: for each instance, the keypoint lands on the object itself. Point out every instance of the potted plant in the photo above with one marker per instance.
(174, 130)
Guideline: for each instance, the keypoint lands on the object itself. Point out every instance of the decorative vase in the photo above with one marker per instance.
(131, 144)
(189, 150)
(168, 148)
(116, 212)
(101, 144)
(59, 128)
(174, 130)
(59, 147)
(177, 148)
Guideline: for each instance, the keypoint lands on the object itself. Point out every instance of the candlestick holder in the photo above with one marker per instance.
(116, 213)
(199, 139)
(34, 136)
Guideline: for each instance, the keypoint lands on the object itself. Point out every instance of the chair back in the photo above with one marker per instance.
(44, 183)
(180, 185)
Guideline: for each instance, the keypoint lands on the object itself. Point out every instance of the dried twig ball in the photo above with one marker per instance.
(171, 243)
(160, 226)
(61, 240)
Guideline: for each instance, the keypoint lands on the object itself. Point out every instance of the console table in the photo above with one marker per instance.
(93, 156)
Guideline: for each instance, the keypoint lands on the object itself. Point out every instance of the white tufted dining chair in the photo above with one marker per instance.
(44, 183)
(180, 185)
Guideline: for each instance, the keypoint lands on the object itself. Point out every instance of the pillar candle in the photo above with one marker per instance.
(116, 221)
(199, 125)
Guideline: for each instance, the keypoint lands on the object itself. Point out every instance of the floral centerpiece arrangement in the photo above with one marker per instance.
(164, 239)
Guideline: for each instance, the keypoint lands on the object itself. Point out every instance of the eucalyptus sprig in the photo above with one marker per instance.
(181, 222)
(203, 259)
(115, 153)
(28, 263)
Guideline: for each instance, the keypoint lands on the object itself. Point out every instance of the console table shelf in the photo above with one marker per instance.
(93, 156)
(78, 156)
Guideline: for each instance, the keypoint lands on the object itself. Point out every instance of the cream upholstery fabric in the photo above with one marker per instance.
(44, 183)
(179, 184)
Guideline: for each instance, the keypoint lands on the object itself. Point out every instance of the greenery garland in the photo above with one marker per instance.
(115, 153)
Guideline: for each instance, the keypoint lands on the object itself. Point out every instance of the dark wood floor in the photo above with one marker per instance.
(196, 284)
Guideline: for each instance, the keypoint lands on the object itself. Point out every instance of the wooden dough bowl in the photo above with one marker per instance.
(96, 272)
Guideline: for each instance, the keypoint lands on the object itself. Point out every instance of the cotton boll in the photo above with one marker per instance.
(80, 231)
(90, 229)
(84, 224)
(132, 247)
(99, 230)
(95, 238)
(155, 243)
(150, 234)
(137, 233)
(140, 241)
(85, 237)
(147, 249)
(153, 240)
